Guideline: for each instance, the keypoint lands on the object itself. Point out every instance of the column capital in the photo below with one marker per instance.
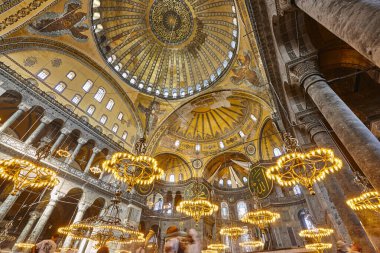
(311, 120)
(82, 141)
(283, 6)
(46, 120)
(96, 150)
(304, 69)
(24, 107)
(34, 214)
(65, 131)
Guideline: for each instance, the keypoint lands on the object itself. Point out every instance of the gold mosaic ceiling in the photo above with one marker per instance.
(168, 48)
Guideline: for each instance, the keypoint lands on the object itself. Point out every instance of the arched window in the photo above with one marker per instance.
(177, 143)
(71, 75)
(125, 135)
(91, 110)
(245, 180)
(120, 116)
(297, 190)
(76, 99)
(172, 178)
(180, 177)
(241, 133)
(221, 182)
(87, 85)
(277, 152)
(110, 104)
(229, 182)
(43, 74)
(100, 94)
(158, 205)
(60, 87)
(241, 209)
(306, 219)
(115, 128)
(103, 119)
(224, 212)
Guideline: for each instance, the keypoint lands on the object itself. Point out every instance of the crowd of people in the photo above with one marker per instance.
(342, 247)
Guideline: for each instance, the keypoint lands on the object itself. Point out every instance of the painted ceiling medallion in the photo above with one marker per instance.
(167, 48)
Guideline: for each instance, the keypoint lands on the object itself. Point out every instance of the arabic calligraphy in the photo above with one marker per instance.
(259, 183)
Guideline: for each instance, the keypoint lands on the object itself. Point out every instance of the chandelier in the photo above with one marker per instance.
(217, 246)
(105, 228)
(368, 200)
(297, 167)
(252, 243)
(316, 233)
(26, 174)
(63, 152)
(197, 205)
(233, 231)
(24, 245)
(260, 218)
(95, 170)
(319, 246)
(4, 235)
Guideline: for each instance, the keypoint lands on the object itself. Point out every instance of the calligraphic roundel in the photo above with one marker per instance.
(258, 182)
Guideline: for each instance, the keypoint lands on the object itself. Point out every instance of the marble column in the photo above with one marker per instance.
(82, 207)
(355, 22)
(81, 142)
(43, 219)
(358, 140)
(95, 151)
(44, 121)
(21, 109)
(61, 137)
(339, 186)
(7, 204)
(34, 215)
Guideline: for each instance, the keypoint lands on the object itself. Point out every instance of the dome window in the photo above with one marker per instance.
(125, 135)
(87, 85)
(43, 74)
(277, 152)
(76, 99)
(221, 145)
(241, 133)
(110, 104)
(253, 118)
(60, 87)
(120, 116)
(99, 95)
(115, 128)
(103, 119)
(197, 147)
(96, 16)
(177, 143)
(90, 110)
(71, 75)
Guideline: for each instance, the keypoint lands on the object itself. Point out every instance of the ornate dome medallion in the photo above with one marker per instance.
(168, 48)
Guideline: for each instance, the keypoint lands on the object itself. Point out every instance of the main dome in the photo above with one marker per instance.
(167, 48)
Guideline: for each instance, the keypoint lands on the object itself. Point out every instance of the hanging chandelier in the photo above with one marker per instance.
(63, 152)
(95, 170)
(316, 233)
(26, 174)
(217, 246)
(252, 243)
(319, 246)
(197, 205)
(260, 218)
(368, 200)
(297, 167)
(233, 231)
(4, 234)
(105, 228)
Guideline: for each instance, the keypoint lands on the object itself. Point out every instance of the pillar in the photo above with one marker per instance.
(81, 141)
(21, 109)
(339, 186)
(358, 140)
(44, 121)
(95, 151)
(82, 207)
(44, 218)
(355, 22)
(61, 137)
(7, 204)
(33, 217)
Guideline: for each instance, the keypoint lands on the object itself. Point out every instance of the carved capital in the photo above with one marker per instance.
(311, 121)
(46, 120)
(23, 106)
(34, 215)
(304, 69)
(82, 141)
(283, 6)
(65, 131)
(96, 150)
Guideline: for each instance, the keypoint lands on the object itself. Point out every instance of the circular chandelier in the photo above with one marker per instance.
(303, 168)
(133, 170)
(217, 246)
(95, 170)
(369, 200)
(260, 218)
(197, 208)
(25, 245)
(63, 153)
(316, 233)
(26, 174)
(252, 244)
(105, 228)
(234, 232)
(319, 246)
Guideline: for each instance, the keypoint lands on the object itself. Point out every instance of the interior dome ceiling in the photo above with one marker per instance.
(168, 48)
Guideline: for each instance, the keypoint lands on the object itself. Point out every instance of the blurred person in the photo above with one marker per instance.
(46, 246)
(103, 249)
(341, 247)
